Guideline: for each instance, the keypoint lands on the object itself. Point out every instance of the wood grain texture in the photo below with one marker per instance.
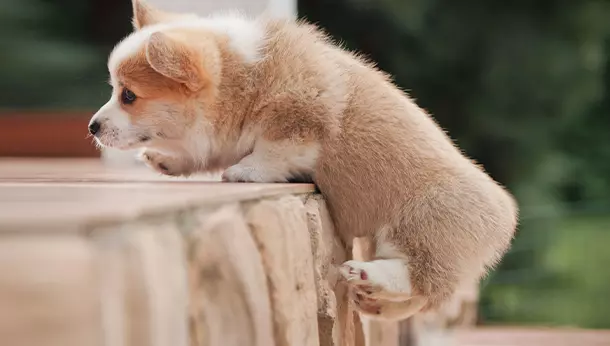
(49, 292)
(280, 230)
(229, 295)
(335, 322)
(143, 283)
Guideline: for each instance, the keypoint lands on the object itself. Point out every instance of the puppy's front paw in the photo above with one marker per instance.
(241, 173)
(165, 164)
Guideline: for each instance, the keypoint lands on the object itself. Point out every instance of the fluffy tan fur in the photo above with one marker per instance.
(308, 108)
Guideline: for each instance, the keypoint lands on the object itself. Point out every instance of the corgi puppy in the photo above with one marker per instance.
(275, 100)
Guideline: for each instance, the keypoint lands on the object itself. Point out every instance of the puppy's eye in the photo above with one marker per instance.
(127, 96)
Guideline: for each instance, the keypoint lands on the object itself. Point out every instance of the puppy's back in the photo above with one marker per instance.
(393, 174)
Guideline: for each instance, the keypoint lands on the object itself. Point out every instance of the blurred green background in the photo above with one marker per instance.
(522, 86)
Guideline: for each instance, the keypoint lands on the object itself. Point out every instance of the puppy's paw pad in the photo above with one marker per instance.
(358, 279)
(163, 167)
(352, 271)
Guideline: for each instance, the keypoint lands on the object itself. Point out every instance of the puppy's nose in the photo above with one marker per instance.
(94, 127)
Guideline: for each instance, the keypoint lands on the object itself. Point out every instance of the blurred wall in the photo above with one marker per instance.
(250, 7)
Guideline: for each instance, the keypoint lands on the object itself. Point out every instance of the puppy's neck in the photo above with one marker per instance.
(224, 131)
(214, 146)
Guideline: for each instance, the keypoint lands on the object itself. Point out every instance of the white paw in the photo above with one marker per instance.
(361, 289)
(380, 288)
(357, 275)
(164, 164)
(377, 285)
(241, 173)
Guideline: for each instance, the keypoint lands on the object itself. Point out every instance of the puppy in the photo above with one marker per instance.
(274, 100)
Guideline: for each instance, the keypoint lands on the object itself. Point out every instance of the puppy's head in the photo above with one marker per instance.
(163, 80)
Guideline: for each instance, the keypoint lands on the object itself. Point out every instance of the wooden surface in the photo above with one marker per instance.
(83, 192)
(109, 256)
(519, 336)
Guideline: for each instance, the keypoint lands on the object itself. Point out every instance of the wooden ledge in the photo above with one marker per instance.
(78, 194)
(92, 254)
(532, 336)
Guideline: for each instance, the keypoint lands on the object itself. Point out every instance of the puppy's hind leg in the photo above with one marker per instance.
(381, 288)
(387, 309)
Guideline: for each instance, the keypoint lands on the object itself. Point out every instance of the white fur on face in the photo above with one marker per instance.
(115, 130)
(163, 129)
(246, 36)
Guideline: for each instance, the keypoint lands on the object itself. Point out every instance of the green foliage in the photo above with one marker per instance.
(522, 86)
(573, 287)
(45, 61)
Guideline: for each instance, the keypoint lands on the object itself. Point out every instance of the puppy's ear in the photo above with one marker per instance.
(145, 14)
(197, 67)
